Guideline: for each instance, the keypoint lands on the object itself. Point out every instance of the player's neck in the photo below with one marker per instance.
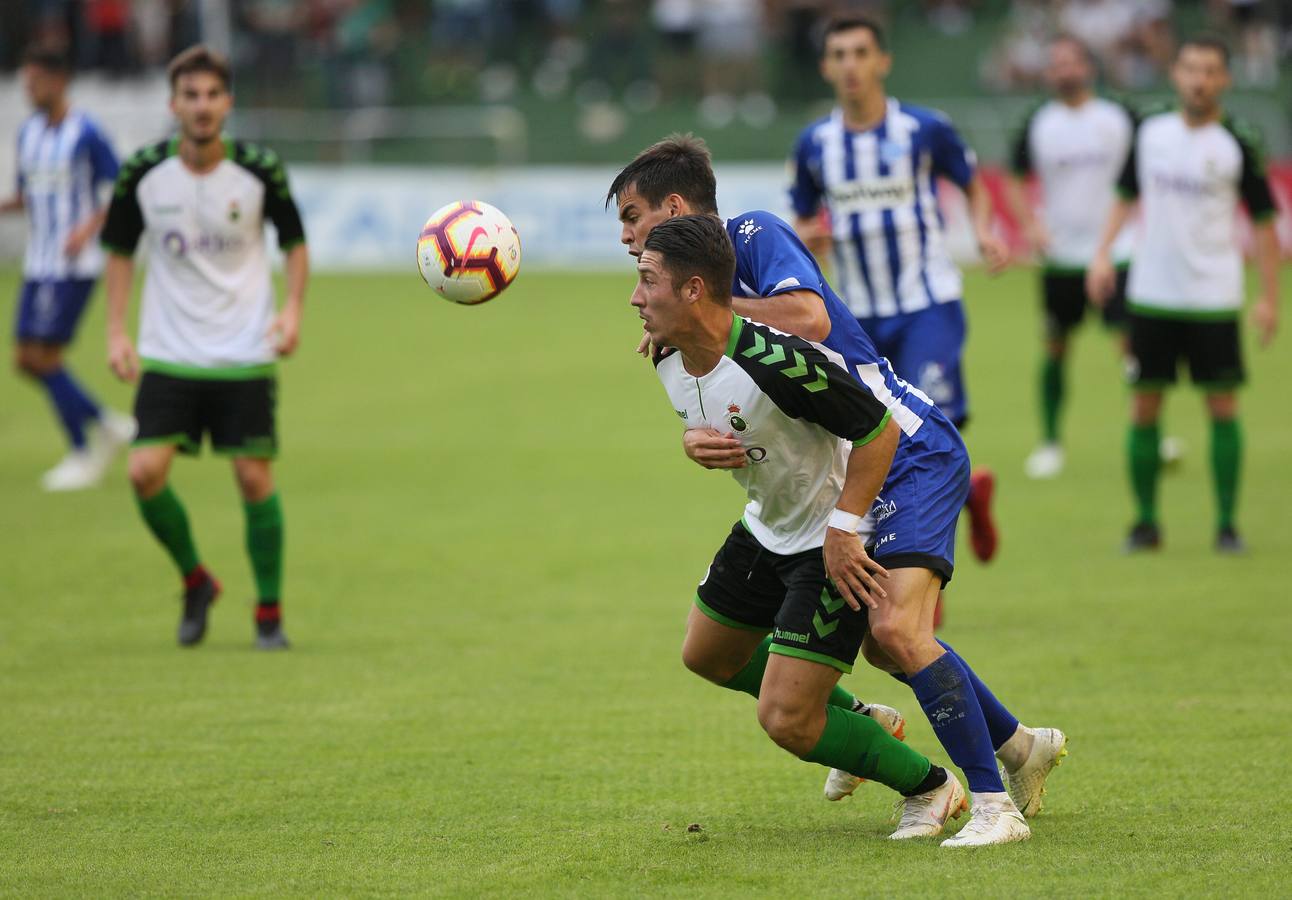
(703, 347)
(863, 113)
(56, 111)
(1078, 99)
(1199, 118)
(201, 158)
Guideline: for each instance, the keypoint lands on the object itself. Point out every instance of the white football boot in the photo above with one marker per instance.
(1026, 782)
(994, 820)
(76, 471)
(1046, 461)
(840, 784)
(924, 815)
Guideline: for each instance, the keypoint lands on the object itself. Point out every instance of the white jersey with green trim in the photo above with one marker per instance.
(208, 298)
(1189, 181)
(1076, 153)
(797, 413)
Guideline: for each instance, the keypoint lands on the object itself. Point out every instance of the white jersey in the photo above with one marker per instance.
(208, 299)
(60, 170)
(796, 412)
(1076, 153)
(1189, 182)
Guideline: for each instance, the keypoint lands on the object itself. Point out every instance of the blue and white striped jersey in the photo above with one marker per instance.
(880, 189)
(60, 169)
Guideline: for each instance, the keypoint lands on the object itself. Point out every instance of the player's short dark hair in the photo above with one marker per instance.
(680, 164)
(696, 245)
(1206, 41)
(845, 22)
(51, 59)
(200, 58)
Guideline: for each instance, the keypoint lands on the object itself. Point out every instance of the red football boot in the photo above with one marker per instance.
(982, 529)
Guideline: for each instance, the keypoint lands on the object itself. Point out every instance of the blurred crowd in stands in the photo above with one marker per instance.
(346, 53)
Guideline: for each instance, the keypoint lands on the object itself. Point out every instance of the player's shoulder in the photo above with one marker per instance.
(1118, 104)
(1245, 132)
(1158, 116)
(814, 132)
(85, 122)
(746, 226)
(253, 156)
(144, 160)
(926, 116)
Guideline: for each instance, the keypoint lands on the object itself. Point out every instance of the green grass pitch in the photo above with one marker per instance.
(493, 540)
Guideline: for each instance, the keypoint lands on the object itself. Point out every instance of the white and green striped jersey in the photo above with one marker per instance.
(1189, 180)
(797, 413)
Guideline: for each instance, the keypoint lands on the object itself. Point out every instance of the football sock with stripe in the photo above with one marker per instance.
(167, 520)
(1052, 386)
(1226, 461)
(749, 680)
(1143, 449)
(74, 406)
(858, 744)
(265, 547)
(947, 698)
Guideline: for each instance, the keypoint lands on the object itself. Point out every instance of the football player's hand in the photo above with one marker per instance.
(1038, 238)
(713, 449)
(1101, 280)
(285, 332)
(77, 238)
(122, 359)
(995, 253)
(852, 570)
(1265, 316)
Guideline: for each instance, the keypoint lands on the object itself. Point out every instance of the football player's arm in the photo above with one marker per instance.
(12, 204)
(812, 232)
(286, 328)
(118, 279)
(846, 560)
(801, 312)
(1265, 313)
(104, 170)
(995, 252)
(1101, 278)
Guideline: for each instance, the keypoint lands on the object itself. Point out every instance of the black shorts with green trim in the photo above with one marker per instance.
(238, 414)
(1159, 342)
(752, 588)
(1064, 295)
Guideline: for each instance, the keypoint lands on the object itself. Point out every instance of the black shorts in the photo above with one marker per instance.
(1211, 347)
(238, 414)
(1065, 302)
(754, 589)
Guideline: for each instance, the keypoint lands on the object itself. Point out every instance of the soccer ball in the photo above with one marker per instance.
(468, 252)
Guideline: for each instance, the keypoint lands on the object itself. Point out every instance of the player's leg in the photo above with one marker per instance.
(169, 413)
(1064, 305)
(1155, 347)
(1216, 365)
(242, 423)
(816, 638)
(902, 626)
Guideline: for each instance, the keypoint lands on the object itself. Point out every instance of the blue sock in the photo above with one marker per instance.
(73, 405)
(947, 698)
(1001, 723)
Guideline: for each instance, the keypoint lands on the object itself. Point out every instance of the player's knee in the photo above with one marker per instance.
(147, 477)
(255, 481)
(706, 665)
(897, 641)
(27, 361)
(876, 657)
(787, 723)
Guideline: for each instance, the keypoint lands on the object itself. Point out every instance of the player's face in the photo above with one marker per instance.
(658, 303)
(1068, 71)
(201, 103)
(44, 88)
(637, 217)
(853, 64)
(1200, 77)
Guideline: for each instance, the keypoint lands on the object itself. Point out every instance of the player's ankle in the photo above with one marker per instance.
(1015, 751)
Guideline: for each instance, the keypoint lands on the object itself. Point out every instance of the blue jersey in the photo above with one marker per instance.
(880, 189)
(771, 260)
(60, 170)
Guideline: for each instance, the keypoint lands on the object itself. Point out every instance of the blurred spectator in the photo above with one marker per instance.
(678, 25)
(1255, 39)
(270, 50)
(104, 37)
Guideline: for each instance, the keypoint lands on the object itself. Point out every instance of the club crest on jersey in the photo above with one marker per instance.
(733, 418)
(891, 151)
(235, 212)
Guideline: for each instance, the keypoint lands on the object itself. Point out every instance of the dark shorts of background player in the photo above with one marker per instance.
(1064, 295)
(238, 414)
(1212, 348)
(751, 588)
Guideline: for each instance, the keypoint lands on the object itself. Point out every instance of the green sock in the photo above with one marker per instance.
(860, 745)
(265, 546)
(168, 522)
(749, 680)
(1226, 459)
(1051, 397)
(1144, 453)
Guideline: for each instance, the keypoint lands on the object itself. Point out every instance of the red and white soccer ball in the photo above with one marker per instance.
(468, 252)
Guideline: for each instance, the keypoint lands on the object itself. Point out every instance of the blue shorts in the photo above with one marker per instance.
(925, 349)
(49, 311)
(916, 512)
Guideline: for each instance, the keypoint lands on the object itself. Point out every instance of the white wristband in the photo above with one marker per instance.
(845, 521)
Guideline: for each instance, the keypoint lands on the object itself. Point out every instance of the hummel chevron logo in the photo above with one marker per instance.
(800, 368)
(822, 629)
(831, 604)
